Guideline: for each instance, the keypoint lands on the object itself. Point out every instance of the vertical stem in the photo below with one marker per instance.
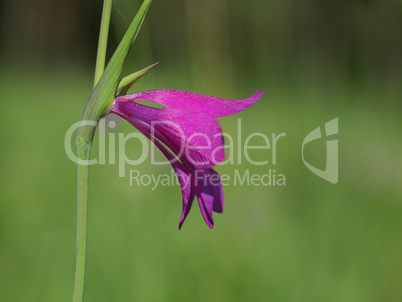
(103, 36)
(99, 102)
(83, 150)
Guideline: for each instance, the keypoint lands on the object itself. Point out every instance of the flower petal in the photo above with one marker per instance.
(184, 176)
(208, 188)
(181, 99)
(196, 138)
(205, 202)
(216, 182)
(187, 192)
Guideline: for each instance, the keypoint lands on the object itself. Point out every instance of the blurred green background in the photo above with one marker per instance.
(307, 241)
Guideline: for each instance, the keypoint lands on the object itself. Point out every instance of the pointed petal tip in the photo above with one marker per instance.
(210, 225)
(256, 96)
(251, 100)
(259, 93)
(182, 221)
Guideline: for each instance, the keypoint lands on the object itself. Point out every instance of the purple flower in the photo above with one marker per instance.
(190, 137)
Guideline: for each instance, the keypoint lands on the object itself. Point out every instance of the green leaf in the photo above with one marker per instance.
(128, 81)
(104, 92)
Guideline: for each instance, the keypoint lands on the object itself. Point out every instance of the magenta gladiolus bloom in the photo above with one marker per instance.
(190, 137)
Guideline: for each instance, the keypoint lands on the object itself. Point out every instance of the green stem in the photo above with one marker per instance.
(101, 98)
(103, 36)
(83, 151)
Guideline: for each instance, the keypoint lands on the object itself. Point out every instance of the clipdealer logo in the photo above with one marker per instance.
(330, 173)
(237, 151)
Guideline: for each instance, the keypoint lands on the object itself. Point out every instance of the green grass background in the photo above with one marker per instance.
(307, 241)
